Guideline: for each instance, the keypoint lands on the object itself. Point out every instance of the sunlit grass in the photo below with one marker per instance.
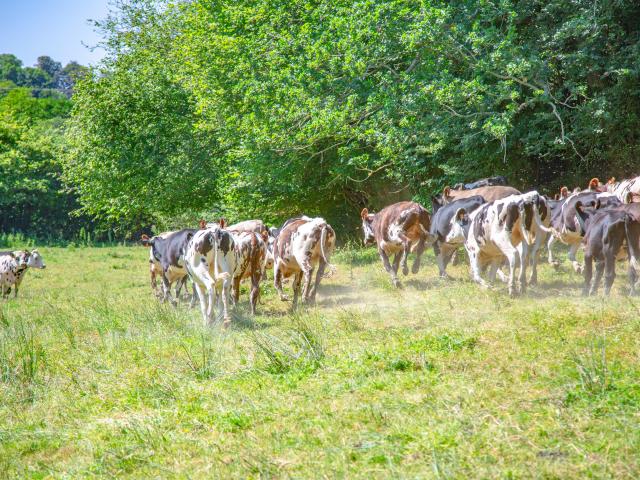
(439, 379)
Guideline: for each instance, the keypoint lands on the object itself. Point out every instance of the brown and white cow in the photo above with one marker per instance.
(302, 245)
(13, 267)
(261, 229)
(398, 229)
(251, 257)
(496, 231)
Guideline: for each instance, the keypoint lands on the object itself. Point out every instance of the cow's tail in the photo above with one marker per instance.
(541, 227)
(632, 246)
(323, 239)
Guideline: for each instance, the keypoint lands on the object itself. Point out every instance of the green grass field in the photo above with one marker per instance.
(440, 379)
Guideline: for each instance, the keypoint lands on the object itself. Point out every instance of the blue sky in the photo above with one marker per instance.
(58, 28)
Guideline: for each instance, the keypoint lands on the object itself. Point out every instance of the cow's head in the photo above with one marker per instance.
(458, 227)
(35, 260)
(367, 228)
(564, 192)
(594, 184)
(22, 258)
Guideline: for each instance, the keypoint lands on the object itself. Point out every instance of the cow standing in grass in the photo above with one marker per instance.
(496, 231)
(251, 258)
(210, 258)
(397, 229)
(13, 268)
(302, 245)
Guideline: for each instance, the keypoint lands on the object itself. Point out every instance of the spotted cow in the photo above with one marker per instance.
(251, 257)
(261, 229)
(398, 229)
(302, 245)
(13, 268)
(495, 232)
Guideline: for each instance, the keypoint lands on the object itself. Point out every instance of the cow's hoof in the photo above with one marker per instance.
(415, 268)
(284, 298)
(226, 324)
(405, 270)
(396, 283)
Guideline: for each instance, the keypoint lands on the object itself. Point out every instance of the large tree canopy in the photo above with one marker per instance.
(276, 108)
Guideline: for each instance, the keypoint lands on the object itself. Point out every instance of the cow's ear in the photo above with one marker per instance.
(446, 191)
(460, 213)
(364, 214)
(564, 192)
(202, 224)
(579, 207)
(222, 222)
(594, 183)
(628, 198)
(596, 203)
(556, 196)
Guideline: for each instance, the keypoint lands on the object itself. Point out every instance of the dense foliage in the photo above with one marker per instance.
(275, 108)
(32, 197)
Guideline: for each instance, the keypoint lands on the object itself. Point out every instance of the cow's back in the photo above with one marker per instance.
(490, 194)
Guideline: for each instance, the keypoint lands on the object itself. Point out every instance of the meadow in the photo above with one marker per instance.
(441, 379)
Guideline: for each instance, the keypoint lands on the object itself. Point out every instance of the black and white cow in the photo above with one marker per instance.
(166, 257)
(495, 232)
(302, 245)
(443, 229)
(210, 259)
(398, 229)
(13, 268)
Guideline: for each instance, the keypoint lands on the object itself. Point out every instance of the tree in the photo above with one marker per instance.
(10, 68)
(69, 75)
(49, 65)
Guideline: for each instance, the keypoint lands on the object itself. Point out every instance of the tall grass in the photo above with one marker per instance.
(22, 356)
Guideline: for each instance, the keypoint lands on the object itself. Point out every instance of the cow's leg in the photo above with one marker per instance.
(154, 283)
(193, 295)
(588, 273)
(438, 253)
(166, 286)
(573, 249)
(387, 267)
(493, 269)
(254, 295)
(550, 259)
(306, 287)
(406, 249)
(598, 277)
(202, 296)
(419, 251)
(476, 268)
(321, 268)
(535, 252)
(277, 281)
(609, 272)
(226, 293)
(235, 290)
(633, 277)
(523, 252)
(297, 281)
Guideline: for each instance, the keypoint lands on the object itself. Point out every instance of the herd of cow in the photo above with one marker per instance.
(498, 226)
